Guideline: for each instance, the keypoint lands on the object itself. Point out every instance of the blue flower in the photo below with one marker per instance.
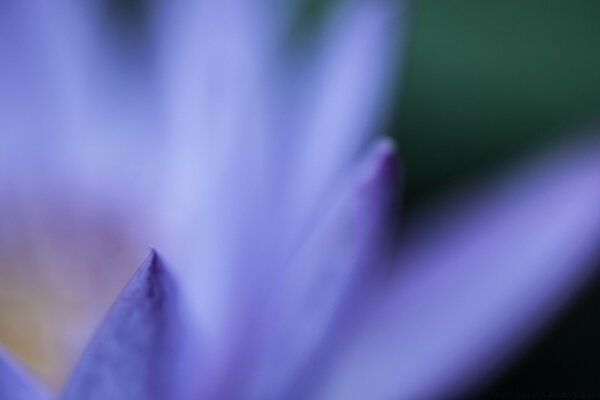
(254, 166)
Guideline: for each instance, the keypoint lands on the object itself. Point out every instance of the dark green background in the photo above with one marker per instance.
(484, 82)
(487, 81)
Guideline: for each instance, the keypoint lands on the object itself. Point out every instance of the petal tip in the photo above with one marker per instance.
(382, 162)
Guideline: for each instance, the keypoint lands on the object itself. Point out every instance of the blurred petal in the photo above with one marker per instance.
(474, 283)
(15, 384)
(136, 351)
(215, 69)
(212, 68)
(45, 73)
(70, 109)
(341, 102)
(327, 277)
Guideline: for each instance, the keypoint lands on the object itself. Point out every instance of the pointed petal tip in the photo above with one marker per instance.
(154, 263)
(385, 146)
(382, 162)
(143, 328)
(152, 273)
(155, 270)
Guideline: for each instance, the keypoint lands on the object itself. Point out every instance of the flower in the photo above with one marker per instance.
(253, 168)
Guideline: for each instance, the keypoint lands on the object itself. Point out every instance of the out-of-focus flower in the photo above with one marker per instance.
(253, 168)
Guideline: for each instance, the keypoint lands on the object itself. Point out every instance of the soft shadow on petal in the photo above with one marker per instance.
(474, 282)
(327, 277)
(136, 353)
(15, 384)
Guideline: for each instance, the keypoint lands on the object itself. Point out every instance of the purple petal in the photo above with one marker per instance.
(66, 101)
(341, 102)
(215, 70)
(135, 353)
(41, 75)
(15, 384)
(474, 282)
(221, 78)
(327, 277)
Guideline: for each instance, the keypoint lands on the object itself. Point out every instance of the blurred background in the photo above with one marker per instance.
(487, 81)
(484, 82)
